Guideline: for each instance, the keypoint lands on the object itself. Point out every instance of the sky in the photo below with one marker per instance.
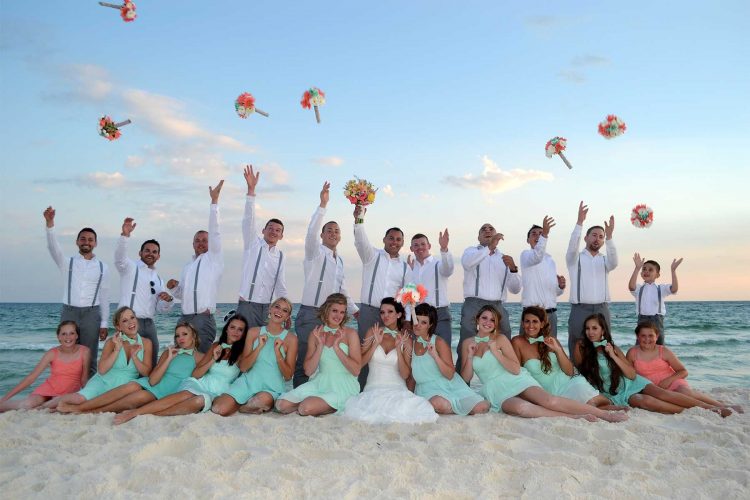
(445, 106)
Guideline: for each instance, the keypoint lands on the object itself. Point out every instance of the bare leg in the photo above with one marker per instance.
(286, 407)
(105, 399)
(129, 402)
(482, 407)
(539, 396)
(73, 398)
(52, 403)
(681, 399)
(650, 403)
(225, 405)
(27, 403)
(702, 396)
(522, 408)
(260, 403)
(603, 403)
(187, 407)
(314, 407)
(442, 406)
(153, 407)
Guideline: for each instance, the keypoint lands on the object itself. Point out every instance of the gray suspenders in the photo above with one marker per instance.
(278, 269)
(403, 276)
(135, 283)
(98, 283)
(640, 295)
(195, 288)
(255, 274)
(372, 281)
(320, 279)
(606, 281)
(437, 289)
(476, 284)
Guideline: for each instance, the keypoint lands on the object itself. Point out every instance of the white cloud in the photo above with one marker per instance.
(493, 179)
(83, 83)
(388, 191)
(104, 179)
(329, 161)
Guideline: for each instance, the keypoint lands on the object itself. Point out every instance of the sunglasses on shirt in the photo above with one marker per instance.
(153, 291)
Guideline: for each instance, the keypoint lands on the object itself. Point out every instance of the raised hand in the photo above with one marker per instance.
(401, 339)
(117, 341)
(134, 349)
(676, 263)
(410, 261)
(472, 348)
(325, 194)
(637, 260)
(359, 212)
(609, 228)
(443, 239)
(172, 283)
(378, 333)
(509, 263)
(561, 282)
(582, 211)
(494, 241)
(49, 216)
(277, 345)
(432, 351)
(165, 297)
(251, 179)
(318, 334)
(547, 224)
(492, 345)
(553, 346)
(215, 192)
(103, 332)
(128, 226)
(216, 353)
(610, 350)
(262, 339)
(171, 351)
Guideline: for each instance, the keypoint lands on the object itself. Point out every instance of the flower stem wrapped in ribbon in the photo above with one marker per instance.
(360, 193)
(556, 146)
(313, 97)
(245, 105)
(411, 295)
(127, 10)
(612, 127)
(109, 129)
(642, 216)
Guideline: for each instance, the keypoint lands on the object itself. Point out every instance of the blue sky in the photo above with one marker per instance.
(445, 106)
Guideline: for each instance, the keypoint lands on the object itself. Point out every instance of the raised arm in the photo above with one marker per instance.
(353, 360)
(314, 350)
(208, 360)
(104, 306)
(288, 361)
(161, 366)
(52, 244)
(504, 353)
(473, 256)
(638, 261)
(562, 359)
(514, 279)
(610, 244)
(675, 263)
(441, 353)
(250, 354)
(365, 250)
(372, 340)
(122, 263)
(447, 265)
(312, 238)
(571, 256)
(249, 228)
(143, 367)
(214, 237)
(619, 358)
(468, 349)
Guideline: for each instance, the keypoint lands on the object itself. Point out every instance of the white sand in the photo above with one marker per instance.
(694, 455)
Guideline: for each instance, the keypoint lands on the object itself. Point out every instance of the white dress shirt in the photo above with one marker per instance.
(199, 296)
(433, 274)
(648, 301)
(263, 266)
(539, 277)
(594, 271)
(135, 284)
(494, 279)
(382, 276)
(324, 271)
(86, 280)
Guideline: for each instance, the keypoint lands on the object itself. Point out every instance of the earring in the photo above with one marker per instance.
(477, 327)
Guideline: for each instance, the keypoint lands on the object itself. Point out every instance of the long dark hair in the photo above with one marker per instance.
(399, 310)
(238, 346)
(544, 331)
(589, 366)
(425, 309)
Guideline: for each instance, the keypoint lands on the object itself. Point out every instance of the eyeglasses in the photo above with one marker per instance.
(153, 290)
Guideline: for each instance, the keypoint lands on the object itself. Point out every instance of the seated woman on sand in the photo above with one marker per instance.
(125, 356)
(174, 366)
(604, 365)
(268, 361)
(544, 358)
(333, 356)
(212, 377)
(386, 398)
(431, 364)
(506, 385)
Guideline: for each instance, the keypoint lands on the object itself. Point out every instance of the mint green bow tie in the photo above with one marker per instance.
(392, 333)
(422, 341)
(600, 344)
(328, 329)
(127, 339)
(226, 346)
(185, 351)
(479, 339)
(534, 340)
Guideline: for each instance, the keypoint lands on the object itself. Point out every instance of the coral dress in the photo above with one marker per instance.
(64, 377)
(657, 370)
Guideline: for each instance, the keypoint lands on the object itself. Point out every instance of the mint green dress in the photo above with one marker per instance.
(121, 372)
(333, 383)
(627, 387)
(430, 382)
(498, 384)
(178, 370)
(214, 383)
(559, 383)
(264, 376)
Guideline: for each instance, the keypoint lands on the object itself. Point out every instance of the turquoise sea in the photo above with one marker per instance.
(711, 338)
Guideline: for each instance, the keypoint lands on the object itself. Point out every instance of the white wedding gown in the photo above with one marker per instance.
(386, 398)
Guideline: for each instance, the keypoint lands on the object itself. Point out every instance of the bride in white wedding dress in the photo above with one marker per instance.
(386, 398)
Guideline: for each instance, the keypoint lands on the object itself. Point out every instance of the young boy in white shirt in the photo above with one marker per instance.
(649, 297)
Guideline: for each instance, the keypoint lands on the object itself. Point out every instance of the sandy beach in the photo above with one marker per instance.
(694, 455)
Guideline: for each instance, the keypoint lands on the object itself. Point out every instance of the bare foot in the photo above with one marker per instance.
(614, 408)
(64, 407)
(588, 417)
(737, 408)
(615, 416)
(252, 409)
(724, 412)
(125, 416)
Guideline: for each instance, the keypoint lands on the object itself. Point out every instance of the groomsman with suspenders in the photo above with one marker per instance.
(85, 294)
(200, 278)
(433, 274)
(488, 276)
(589, 274)
(141, 287)
(324, 275)
(263, 271)
(383, 273)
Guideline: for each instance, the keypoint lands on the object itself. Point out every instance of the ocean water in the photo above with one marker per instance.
(711, 338)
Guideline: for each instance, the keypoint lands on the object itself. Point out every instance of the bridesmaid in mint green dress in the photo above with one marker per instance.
(267, 363)
(175, 365)
(212, 377)
(332, 363)
(432, 368)
(509, 387)
(125, 356)
(544, 358)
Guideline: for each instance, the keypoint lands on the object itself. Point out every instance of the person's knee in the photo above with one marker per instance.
(480, 408)
(305, 409)
(441, 405)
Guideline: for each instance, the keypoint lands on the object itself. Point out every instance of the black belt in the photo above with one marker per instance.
(554, 309)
